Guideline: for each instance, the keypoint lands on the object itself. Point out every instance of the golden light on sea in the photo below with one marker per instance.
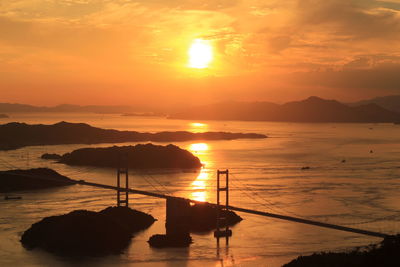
(198, 147)
(197, 127)
(200, 54)
(199, 187)
(198, 124)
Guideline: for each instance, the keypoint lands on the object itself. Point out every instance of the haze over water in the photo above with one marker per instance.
(362, 192)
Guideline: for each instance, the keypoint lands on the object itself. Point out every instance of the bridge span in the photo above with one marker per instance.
(244, 210)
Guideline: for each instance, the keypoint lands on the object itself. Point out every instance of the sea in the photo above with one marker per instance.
(340, 173)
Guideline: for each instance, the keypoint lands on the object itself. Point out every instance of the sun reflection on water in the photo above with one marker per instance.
(198, 124)
(199, 148)
(199, 187)
(198, 127)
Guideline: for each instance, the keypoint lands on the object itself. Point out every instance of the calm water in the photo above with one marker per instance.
(362, 192)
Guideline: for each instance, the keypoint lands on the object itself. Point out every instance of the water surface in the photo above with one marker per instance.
(354, 180)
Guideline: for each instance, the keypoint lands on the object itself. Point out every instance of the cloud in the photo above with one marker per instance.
(331, 44)
(366, 74)
(355, 19)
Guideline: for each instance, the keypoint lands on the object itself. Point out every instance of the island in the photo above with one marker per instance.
(385, 253)
(141, 156)
(204, 215)
(16, 135)
(87, 233)
(3, 116)
(184, 218)
(32, 179)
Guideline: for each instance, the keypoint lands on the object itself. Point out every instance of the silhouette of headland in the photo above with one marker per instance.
(32, 179)
(16, 135)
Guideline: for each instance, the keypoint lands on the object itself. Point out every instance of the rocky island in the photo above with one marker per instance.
(386, 253)
(16, 135)
(203, 217)
(141, 156)
(87, 233)
(32, 179)
(183, 218)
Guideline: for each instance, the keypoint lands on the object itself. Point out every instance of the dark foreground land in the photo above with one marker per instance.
(87, 233)
(16, 135)
(384, 254)
(32, 179)
(141, 156)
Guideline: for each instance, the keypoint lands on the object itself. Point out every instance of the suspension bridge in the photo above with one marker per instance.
(124, 191)
(123, 199)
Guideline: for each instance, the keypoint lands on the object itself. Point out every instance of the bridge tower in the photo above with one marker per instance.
(121, 172)
(222, 210)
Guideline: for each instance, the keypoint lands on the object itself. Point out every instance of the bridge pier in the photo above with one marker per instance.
(177, 217)
(177, 225)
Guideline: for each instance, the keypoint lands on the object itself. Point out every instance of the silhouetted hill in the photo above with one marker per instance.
(87, 233)
(391, 102)
(312, 109)
(32, 179)
(140, 156)
(15, 135)
(384, 254)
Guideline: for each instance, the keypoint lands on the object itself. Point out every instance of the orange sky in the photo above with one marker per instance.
(128, 52)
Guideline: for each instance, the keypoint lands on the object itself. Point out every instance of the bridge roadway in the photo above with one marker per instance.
(250, 211)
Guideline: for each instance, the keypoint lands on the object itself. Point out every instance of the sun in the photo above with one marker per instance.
(200, 54)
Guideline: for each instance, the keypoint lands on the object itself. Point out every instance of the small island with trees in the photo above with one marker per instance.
(141, 156)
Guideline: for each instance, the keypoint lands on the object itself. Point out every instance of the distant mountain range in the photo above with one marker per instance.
(312, 109)
(391, 102)
(8, 107)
